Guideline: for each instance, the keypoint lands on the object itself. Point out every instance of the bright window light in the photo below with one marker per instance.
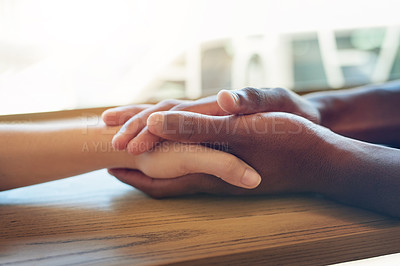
(57, 55)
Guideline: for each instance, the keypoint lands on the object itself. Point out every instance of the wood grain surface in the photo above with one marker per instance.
(94, 219)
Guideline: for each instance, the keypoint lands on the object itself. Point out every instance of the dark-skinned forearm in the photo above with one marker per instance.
(370, 113)
(362, 174)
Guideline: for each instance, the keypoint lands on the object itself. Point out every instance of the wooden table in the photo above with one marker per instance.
(95, 219)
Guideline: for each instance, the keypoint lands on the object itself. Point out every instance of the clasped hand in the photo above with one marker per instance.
(275, 131)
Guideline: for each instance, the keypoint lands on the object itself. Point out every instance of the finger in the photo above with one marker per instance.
(180, 186)
(176, 159)
(119, 115)
(158, 188)
(251, 100)
(137, 122)
(220, 164)
(207, 106)
(143, 142)
(190, 127)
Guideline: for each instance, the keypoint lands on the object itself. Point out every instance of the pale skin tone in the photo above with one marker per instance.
(33, 154)
(321, 142)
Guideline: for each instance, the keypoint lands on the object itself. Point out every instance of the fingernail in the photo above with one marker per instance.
(250, 178)
(155, 119)
(235, 97)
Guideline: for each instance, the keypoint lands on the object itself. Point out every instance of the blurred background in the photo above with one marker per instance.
(59, 55)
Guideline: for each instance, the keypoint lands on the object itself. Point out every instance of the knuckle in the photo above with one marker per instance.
(188, 127)
(229, 165)
(283, 99)
(255, 96)
(281, 91)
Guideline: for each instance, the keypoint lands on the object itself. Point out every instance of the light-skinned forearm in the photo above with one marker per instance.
(37, 154)
(370, 113)
(32, 154)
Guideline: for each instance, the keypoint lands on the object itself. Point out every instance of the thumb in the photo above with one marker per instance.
(190, 127)
(252, 100)
(177, 159)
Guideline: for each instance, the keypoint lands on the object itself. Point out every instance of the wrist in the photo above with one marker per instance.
(361, 174)
(99, 146)
(325, 106)
(341, 165)
(325, 164)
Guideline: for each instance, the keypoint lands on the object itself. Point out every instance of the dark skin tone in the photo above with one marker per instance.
(299, 156)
